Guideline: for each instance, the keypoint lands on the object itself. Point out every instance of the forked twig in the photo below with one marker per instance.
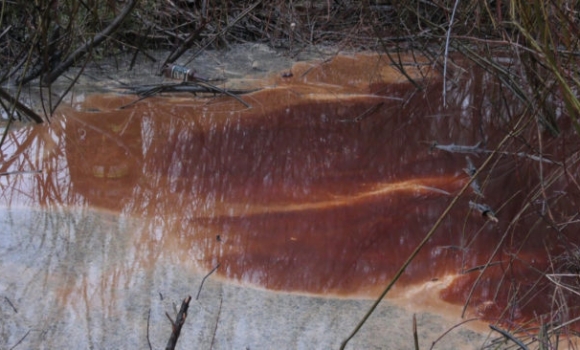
(177, 324)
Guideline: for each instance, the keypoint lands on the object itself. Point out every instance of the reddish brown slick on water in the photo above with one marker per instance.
(326, 184)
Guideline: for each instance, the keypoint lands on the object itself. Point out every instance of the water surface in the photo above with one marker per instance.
(320, 189)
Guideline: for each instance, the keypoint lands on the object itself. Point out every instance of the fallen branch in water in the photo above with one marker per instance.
(197, 86)
(176, 326)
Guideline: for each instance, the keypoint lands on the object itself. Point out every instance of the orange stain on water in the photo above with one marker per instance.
(325, 184)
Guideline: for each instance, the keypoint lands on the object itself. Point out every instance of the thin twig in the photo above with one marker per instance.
(415, 335)
(509, 336)
(223, 31)
(21, 340)
(203, 280)
(216, 324)
(11, 305)
(148, 340)
(449, 330)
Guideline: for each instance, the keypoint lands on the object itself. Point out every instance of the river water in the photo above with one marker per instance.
(306, 200)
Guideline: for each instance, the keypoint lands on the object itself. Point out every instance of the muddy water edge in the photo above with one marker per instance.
(308, 202)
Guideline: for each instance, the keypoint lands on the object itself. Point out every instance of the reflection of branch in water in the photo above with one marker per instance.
(365, 114)
(21, 172)
(105, 134)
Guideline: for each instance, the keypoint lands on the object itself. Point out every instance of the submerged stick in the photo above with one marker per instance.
(415, 334)
(148, 340)
(203, 280)
(176, 326)
(216, 324)
(20, 341)
(365, 114)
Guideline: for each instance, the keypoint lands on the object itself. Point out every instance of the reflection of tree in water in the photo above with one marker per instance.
(72, 277)
(103, 152)
(35, 167)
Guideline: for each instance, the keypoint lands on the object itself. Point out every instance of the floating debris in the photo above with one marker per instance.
(471, 170)
(475, 149)
(179, 72)
(485, 211)
(453, 148)
(541, 159)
